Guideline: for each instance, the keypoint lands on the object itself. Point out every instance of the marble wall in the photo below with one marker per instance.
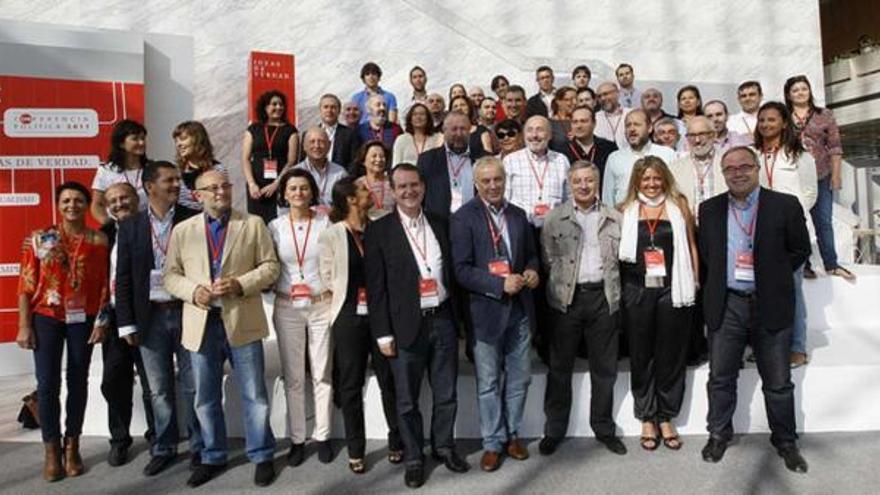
(712, 43)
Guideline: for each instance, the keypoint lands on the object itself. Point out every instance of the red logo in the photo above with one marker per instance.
(25, 118)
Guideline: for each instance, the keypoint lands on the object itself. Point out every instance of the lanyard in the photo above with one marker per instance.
(423, 249)
(378, 200)
(769, 165)
(652, 225)
(357, 235)
(613, 126)
(701, 177)
(325, 175)
(746, 123)
(72, 257)
(574, 150)
(750, 230)
(300, 255)
(539, 180)
(137, 180)
(270, 140)
(496, 234)
(157, 238)
(216, 247)
(456, 172)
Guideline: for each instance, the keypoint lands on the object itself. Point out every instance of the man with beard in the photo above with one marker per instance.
(437, 107)
(725, 139)
(698, 172)
(610, 120)
(619, 166)
(378, 127)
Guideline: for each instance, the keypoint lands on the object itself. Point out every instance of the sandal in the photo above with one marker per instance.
(395, 456)
(672, 442)
(357, 466)
(649, 442)
(843, 273)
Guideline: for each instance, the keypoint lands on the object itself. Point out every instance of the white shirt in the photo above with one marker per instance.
(406, 151)
(619, 167)
(688, 172)
(331, 174)
(534, 180)
(631, 97)
(611, 126)
(331, 133)
(590, 267)
(547, 98)
(795, 177)
(106, 176)
(743, 123)
(422, 240)
(308, 250)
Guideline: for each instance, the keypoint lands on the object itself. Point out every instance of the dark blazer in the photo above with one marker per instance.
(435, 170)
(574, 152)
(134, 260)
(535, 106)
(345, 146)
(472, 250)
(781, 245)
(392, 275)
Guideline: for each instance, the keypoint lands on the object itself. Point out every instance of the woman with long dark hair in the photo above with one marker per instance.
(194, 156)
(125, 163)
(419, 135)
(372, 171)
(690, 103)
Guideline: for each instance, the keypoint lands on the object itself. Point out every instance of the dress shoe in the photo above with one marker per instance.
(296, 455)
(516, 450)
(793, 459)
(490, 461)
(204, 473)
(714, 450)
(264, 474)
(614, 444)
(73, 463)
(325, 452)
(158, 464)
(455, 463)
(118, 455)
(52, 468)
(195, 460)
(548, 445)
(414, 476)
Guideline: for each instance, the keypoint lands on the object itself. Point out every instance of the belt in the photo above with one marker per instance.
(435, 310)
(315, 299)
(173, 304)
(741, 293)
(587, 286)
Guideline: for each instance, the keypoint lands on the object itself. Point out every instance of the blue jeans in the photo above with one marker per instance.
(503, 377)
(158, 347)
(799, 326)
(822, 220)
(51, 335)
(247, 367)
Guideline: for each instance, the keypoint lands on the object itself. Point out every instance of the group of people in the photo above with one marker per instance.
(544, 222)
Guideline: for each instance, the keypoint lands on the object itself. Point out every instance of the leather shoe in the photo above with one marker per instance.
(714, 450)
(264, 474)
(157, 464)
(414, 476)
(118, 455)
(793, 459)
(516, 450)
(195, 460)
(548, 445)
(455, 463)
(204, 473)
(296, 455)
(325, 452)
(490, 461)
(614, 444)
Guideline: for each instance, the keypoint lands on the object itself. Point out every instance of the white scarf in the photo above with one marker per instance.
(682, 281)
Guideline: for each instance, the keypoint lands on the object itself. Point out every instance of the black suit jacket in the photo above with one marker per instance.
(535, 106)
(575, 152)
(781, 245)
(134, 260)
(392, 275)
(345, 146)
(435, 170)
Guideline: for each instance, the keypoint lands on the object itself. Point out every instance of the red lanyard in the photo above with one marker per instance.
(71, 258)
(455, 171)
(156, 240)
(357, 235)
(751, 228)
(216, 249)
(652, 225)
(701, 177)
(539, 180)
(613, 126)
(326, 176)
(378, 200)
(574, 150)
(423, 249)
(300, 255)
(270, 140)
(496, 235)
(769, 166)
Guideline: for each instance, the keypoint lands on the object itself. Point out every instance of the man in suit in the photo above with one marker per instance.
(448, 170)
(120, 358)
(409, 276)
(149, 317)
(218, 264)
(751, 241)
(540, 102)
(583, 144)
(343, 140)
(496, 261)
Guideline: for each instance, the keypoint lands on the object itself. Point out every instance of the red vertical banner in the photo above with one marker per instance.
(268, 71)
(52, 131)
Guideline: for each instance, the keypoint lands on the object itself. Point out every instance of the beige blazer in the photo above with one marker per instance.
(248, 255)
(333, 265)
(685, 173)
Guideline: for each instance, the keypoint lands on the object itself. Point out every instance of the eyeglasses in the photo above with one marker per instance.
(695, 135)
(506, 134)
(740, 169)
(215, 188)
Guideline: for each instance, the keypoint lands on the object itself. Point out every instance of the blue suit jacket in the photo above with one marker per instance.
(472, 250)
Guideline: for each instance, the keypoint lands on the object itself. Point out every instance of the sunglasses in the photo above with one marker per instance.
(506, 134)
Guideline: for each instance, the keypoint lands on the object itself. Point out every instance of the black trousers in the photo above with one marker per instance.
(434, 351)
(658, 336)
(698, 345)
(726, 347)
(588, 319)
(352, 345)
(265, 208)
(117, 387)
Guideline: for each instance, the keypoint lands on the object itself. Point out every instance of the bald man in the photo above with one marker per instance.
(326, 173)
(619, 166)
(610, 120)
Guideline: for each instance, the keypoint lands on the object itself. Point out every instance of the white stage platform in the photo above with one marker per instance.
(837, 391)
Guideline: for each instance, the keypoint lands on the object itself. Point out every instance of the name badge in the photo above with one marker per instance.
(457, 200)
(270, 169)
(655, 268)
(362, 302)
(157, 286)
(499, 267)
(744, 266)
(429, 293)
(301, 295)
(75, 309)
(46, 243)
(541, 210)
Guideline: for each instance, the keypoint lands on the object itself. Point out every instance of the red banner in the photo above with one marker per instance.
(268, 71)
(53, 130)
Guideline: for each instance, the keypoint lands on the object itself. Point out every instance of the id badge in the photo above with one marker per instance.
(457, 200)
(270, 169)
(429, 294)
(362, 302)
(47, 242)
(744, 266)
(655, 268)
(157, 286)
(541, 210)
(499, 267)
(75, 309)
(301, 295)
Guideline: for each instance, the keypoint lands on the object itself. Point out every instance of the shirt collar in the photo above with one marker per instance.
(492, 209)
(751, 199)
(168, 214)
(591, 209)
(465, 153)
(217, 223)
(412, 222)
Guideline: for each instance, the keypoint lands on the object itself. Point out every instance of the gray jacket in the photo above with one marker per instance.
(561, 244)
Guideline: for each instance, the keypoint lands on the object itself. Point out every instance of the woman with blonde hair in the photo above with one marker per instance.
(195, 155)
